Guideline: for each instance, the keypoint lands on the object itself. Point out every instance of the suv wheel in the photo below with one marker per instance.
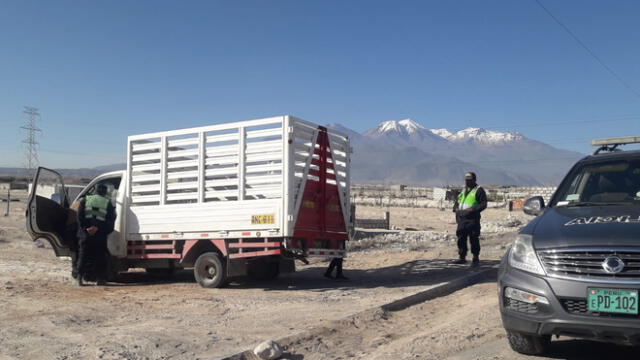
(528, 344)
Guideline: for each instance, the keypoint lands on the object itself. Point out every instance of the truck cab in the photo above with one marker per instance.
(54, 217)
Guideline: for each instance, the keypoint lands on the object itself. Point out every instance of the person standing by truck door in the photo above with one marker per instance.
(96, 218)
(471, 202)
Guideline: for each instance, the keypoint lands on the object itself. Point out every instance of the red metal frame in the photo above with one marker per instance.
(320, 217)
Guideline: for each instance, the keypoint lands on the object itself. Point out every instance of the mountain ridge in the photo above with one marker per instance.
(508, 158)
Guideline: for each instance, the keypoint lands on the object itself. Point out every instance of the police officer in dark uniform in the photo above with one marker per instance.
(336, 263)
(471, 202)
(96, 218)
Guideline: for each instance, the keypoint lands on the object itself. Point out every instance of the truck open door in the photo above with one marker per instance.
(48, 210)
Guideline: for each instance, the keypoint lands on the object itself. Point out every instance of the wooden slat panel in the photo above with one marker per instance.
(221, 150)
(145, 178)
(264, 157)
(182, 153)
(222, 160)
(220, 194)
(182, 185)
(145, 188)
(145, 167)
(222, 137)
(145, 198)
(275, 193)
(183, 142)
(146, 157)
(222, 172)
(274, 145)
(221, 182)
(268, 179)
(264, 133)
(263, 168)
(182, 164)
(145, 147)
(182, 196)
(182, 174)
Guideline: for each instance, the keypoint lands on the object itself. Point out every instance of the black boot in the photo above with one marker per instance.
(460, 261)
(79, 280)
(475, 262)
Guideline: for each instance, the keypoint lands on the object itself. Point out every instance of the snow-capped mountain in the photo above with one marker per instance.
(408, 129)
(444, 133)
(483, 136)
(403, 133)
(407, 152)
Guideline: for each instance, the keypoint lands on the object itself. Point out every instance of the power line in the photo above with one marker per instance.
(31, 152)
(589, 51)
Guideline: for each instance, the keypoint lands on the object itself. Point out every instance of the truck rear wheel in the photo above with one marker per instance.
(209, 270)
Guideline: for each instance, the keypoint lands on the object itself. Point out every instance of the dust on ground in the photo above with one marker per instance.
(44, 316)
(465, 325)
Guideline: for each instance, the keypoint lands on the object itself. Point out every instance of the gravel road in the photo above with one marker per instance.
(44, 316)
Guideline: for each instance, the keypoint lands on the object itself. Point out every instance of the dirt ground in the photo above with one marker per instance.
(44, 316)
(465, 325)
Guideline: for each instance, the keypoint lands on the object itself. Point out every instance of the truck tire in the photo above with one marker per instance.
(528, 344)
(209, 270)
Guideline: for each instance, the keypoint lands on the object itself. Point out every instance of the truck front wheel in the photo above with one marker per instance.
(209, 270)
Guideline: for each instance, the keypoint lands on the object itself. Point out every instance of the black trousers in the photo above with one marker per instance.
(469, 231)
(335, 263)
(92, 256)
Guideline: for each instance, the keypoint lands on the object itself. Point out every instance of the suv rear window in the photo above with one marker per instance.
(607, 182)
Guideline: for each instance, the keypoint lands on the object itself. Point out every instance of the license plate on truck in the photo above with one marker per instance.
(262, 219)
(620, 301)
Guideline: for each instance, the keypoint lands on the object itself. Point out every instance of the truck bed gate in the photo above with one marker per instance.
(320, 221)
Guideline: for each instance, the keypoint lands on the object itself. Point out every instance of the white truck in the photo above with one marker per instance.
(243, 198)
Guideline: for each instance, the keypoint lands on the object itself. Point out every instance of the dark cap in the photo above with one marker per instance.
(470, 176)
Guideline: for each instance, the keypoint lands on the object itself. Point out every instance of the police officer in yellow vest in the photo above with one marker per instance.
(96, 218)
(471, 202)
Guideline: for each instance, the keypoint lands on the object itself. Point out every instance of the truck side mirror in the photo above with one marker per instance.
(533, 206)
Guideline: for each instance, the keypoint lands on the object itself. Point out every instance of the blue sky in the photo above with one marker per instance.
(99, 71)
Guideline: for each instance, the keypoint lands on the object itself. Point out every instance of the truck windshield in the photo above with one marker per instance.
(600, 184)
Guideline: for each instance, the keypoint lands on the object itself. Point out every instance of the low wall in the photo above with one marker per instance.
(429, 197)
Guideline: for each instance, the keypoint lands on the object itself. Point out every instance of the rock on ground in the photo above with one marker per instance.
(268, 350)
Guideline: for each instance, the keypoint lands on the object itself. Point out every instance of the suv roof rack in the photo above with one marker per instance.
(611, 144)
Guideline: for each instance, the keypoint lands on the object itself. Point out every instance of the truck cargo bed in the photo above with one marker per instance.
(243, 179)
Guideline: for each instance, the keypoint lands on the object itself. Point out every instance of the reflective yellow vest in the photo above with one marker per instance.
(96, 206)
(469, 200)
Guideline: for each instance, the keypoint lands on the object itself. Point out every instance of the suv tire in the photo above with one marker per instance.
(528, 344)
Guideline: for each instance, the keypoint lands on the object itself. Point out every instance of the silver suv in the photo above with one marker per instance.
(574, 270)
